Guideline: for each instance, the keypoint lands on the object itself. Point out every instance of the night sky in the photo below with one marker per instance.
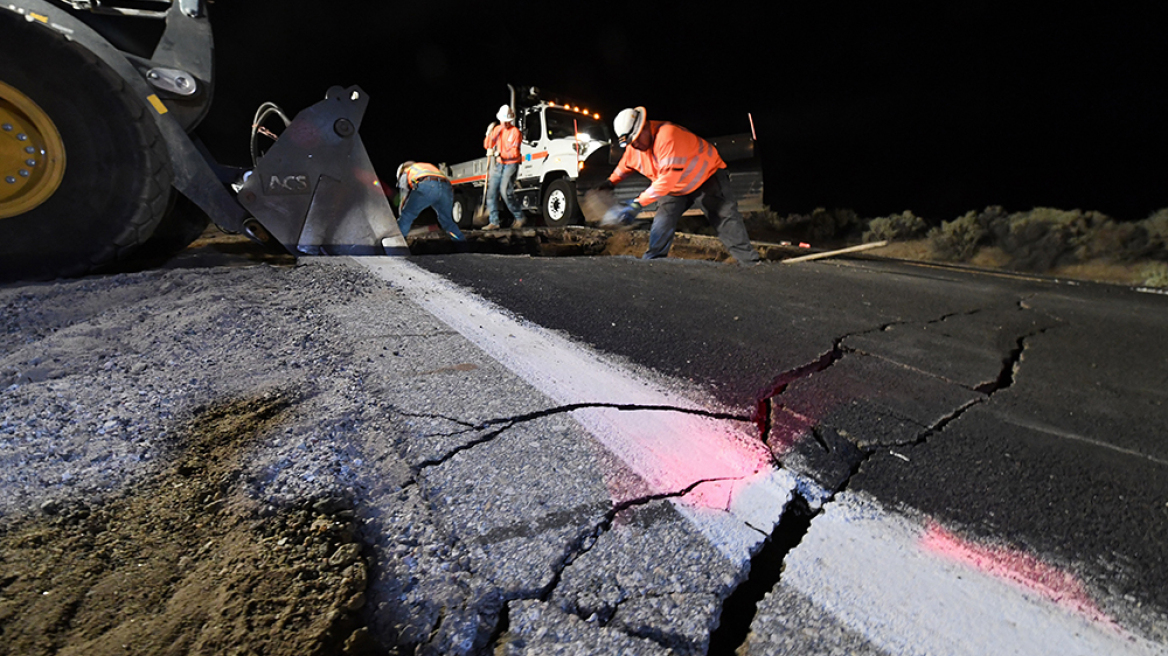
(935, 107)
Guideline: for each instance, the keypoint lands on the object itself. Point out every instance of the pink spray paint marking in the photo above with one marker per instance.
(1019, 569)
(671, 451)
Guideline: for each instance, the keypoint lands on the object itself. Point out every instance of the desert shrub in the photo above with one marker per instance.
(1117, 242)
(771, 222)
(959, 240)
(1155, 275)
(767, 218)
(825, 225)
(897, 227)
(1156, 228)
(1045, 237)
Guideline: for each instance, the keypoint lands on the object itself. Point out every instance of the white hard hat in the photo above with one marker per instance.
(403, 166)
(628, 124)
(505, 115)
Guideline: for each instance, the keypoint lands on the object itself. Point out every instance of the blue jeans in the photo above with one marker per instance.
(502, 181)
(431, 192)
(721, 211)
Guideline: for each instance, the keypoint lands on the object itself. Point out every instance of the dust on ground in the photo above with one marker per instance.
(185, 563)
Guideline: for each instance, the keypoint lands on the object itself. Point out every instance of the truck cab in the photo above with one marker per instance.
(558, 138)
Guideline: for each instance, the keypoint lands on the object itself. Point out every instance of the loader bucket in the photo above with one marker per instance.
(315, 190)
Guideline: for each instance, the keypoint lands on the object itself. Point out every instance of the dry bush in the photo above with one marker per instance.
(768, 221)
(1045, 237)
(1156, 228)
(1115, 242)
(827, 225)
(897, 227)
(1155, 274)
(960, 239)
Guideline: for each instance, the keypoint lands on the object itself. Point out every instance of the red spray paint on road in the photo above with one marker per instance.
(1020, 569)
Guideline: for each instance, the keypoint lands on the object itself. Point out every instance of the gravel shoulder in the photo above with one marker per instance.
(261, 457)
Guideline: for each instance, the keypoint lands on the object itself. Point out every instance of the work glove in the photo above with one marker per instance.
(621, 214)
(607, 185)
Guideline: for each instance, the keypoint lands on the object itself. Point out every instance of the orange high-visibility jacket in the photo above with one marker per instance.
(419, 170)
(677, 164)
(506, 138)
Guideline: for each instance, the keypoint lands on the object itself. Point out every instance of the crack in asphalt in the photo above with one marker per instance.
(741, 606)
(581, 545)
(764, 404)
(571, 407)
(766, 570)
(1010, 364)
(588, 539)
(505, 423)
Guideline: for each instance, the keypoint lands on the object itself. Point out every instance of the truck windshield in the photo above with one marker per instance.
(564, 124)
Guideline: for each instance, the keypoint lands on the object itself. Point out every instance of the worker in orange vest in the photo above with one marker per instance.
(682, 169)
(423, 185)
(505, 138)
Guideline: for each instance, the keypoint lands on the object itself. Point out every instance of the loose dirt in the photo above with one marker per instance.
(186, 564)
(696, 241)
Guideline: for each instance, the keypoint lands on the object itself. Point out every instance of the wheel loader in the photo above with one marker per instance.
(98, 159)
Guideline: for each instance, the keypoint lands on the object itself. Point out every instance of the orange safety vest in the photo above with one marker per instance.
(507, 139)
(419, 170)
(677, 164)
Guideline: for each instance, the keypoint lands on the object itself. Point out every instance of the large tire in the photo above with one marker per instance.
(463, 212)
(560, 207)
(78, 113)
(183, 223)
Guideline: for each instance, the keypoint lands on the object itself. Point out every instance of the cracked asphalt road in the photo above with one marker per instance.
(992, 434)
(1026, 416)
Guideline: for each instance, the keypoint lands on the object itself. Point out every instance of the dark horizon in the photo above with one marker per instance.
(940, 110)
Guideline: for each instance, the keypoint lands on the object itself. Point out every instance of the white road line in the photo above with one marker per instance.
(669, 450)
(890, 579)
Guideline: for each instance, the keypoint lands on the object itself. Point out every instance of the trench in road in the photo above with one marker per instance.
(591, 241)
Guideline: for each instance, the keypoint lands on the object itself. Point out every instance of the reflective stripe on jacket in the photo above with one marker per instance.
(677, 164)
(506, 138)
(417, 171)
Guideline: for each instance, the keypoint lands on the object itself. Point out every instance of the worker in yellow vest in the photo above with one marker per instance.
(423, 185)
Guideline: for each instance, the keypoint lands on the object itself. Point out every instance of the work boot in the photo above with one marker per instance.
(491, 226)
(517, 224)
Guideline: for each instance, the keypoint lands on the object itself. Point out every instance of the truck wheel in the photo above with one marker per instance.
(463, 212)
(560, 207)
(84, 172)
